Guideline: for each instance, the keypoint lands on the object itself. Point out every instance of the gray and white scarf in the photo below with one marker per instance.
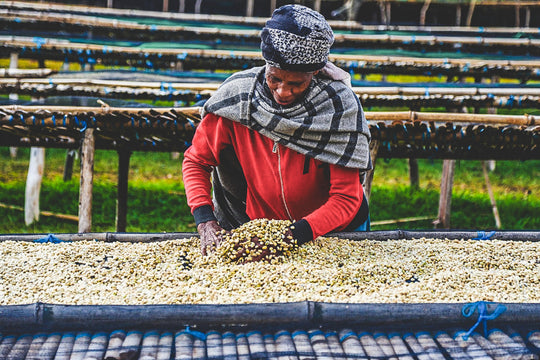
(327, 124)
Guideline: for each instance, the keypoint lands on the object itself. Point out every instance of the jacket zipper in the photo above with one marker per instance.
(275, 150)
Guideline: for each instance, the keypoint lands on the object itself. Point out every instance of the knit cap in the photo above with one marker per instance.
(296, 38)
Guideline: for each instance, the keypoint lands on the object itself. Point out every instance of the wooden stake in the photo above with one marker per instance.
(470, 14)
(491, 195)
(86, 183)
(165, 5)
(122, 190)
(413, 173)
(68, 164)
(374, 149)
(33, 185)
(445, 199)
(249, 8)
(423, 12)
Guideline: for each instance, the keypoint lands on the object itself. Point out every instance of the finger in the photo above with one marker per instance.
(203, 249)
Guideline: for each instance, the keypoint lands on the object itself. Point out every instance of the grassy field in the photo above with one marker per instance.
(157, 202)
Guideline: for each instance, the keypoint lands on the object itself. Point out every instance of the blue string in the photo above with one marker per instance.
(50, 239)
(481, 235)
(483, 316)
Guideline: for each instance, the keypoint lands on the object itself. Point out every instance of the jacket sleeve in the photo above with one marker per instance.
(344, 201)
(211, 136)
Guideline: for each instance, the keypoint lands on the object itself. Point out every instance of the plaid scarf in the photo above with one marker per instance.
(327, 124)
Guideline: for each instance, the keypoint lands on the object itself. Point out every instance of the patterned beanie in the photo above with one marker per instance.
(296, 38)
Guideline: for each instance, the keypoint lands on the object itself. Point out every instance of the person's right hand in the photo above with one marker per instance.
(210, 235)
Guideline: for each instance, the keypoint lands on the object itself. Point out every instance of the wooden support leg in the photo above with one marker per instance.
(121, 202)
(109, 4)
(373, 150)
(470, 14)
(491, 196)
(518, 13)
(273, 5)
(527, 17)
(317, 5)
(249, 8)
(458, 15)
(68, 164)
(165, 5)
(445, 200)
(198, 4)
(33, 185)
(413, 173)
(182, 6)
(87, 181)
(423, 12)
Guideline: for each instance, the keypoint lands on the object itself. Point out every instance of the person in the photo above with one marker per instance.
(287, 140)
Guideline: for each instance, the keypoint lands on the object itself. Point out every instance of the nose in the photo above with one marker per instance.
(284, 91)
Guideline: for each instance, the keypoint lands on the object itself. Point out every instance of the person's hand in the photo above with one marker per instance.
(251, 250)
(210, 234)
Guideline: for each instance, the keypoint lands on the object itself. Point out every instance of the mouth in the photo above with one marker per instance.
(283, 102)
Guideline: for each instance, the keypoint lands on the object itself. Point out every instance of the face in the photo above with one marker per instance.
(287, 86)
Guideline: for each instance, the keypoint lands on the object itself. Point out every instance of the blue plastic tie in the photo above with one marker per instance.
(85, 126)
(50, 239)
(469, 309)
(199, 335)
(481, 235)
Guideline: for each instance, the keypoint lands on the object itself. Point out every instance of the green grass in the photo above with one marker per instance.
(156, 200)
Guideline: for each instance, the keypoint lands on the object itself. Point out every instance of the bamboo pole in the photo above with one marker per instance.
(97, 347)
(385, 345)
(415, 347)
(242, 348)
(214, 345)
(131, 345)
(351, 345)
(230, 345)
(320, 345)
(6, 344)
(80, 346)
(399, 347)
(165, 346)
(256, 345)
(65, 347)
(371, 347)
(302, 345)
(114, 346)
(20, 348)
(335, 345)
(270, 346)
(430, 347)
(86, 181)
(33, 351)
(149, 345)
